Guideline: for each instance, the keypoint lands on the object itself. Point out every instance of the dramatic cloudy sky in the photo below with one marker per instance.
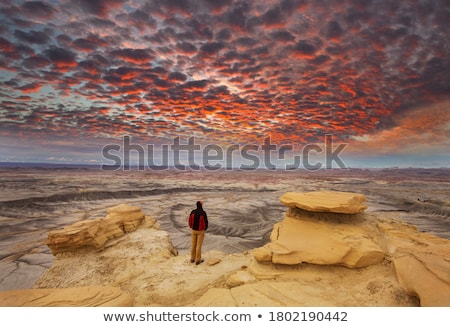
(76, 75)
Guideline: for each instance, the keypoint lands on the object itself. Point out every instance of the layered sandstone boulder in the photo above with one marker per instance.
(96, 233)
(321, 228)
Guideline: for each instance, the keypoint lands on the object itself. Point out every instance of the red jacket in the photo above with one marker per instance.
(198, 220)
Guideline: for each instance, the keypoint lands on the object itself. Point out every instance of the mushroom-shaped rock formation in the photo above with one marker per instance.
(320, 228)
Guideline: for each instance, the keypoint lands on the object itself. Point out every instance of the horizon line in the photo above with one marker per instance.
(18, 164)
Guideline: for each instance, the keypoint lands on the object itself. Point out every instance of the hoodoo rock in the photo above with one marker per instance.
(321, 228)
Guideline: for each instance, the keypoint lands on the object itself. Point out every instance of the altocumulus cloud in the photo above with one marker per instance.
(228, 71)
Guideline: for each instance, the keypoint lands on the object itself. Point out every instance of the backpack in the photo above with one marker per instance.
(198, 220)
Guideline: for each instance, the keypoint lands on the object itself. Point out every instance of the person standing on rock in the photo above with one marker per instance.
(198, 222)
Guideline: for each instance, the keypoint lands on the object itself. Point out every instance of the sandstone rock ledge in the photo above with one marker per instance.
(315, 258)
